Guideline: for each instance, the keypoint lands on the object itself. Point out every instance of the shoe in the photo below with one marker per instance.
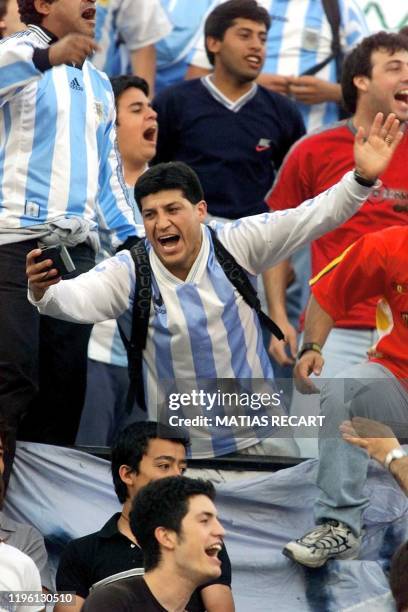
(332, 539)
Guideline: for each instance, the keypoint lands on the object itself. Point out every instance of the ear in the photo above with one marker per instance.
(213, 44)
(201, 208)
(166, 538)
(126, 474)
(361, 82)
(43, 7)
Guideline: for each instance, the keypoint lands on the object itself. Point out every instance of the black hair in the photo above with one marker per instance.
(163, 503)
(170, 175)
(398, 577)
(224, 15)
(132, 443)
(358, 62)
(28, 12)
(124, 82)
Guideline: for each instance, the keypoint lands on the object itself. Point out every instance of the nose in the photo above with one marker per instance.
(219, 530)
(175, 470)
(151, 113)
(162, 222)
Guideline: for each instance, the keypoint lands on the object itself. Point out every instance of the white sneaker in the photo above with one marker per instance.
(329, 540)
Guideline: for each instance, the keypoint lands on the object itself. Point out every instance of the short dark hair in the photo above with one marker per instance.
(398, 577)
(28, 12)
(123, 82)
(3, 8)
(132, 443)
(224, 15)
(163, 503)
(170, 175)
(358, 62)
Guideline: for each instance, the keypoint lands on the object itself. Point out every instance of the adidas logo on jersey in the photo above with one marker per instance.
(74, 84)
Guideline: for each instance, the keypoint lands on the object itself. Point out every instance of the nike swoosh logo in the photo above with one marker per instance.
(259, 148)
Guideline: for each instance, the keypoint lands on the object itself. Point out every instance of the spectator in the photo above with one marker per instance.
(24, 537)
(299, 41)
(142, 453)
(201, 328)
(3, 11)
(376, 265)
(107, 379)
(380, 443)
(59, 114)
(126, 31)
(175, 522)
(232, 132)
(374, 79)
(12, 21)
(18, 573)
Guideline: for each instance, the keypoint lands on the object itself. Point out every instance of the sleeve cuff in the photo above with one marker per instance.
(41, 59)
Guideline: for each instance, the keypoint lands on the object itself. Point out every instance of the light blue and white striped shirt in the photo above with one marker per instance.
(123, 26)
(202, 328)
(58, 154)
(299, 38)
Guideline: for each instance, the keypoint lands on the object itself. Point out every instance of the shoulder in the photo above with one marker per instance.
(324, 137)
(129, 591)
(18, 39)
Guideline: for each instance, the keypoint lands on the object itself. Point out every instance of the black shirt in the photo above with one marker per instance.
(96, 556)
(128, 595)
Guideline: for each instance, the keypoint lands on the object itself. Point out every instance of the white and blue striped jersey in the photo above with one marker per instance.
(299, 38)
(105, 343)
(123, 26)
(58, 154)
(174, 51)
(202, 328)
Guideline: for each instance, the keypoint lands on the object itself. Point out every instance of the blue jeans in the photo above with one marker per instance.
(367, 390)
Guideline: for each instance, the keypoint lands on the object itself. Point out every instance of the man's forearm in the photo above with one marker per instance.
(318, 323)
(275, 281)
(144, 65)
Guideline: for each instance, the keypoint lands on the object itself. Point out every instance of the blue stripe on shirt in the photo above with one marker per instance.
(78, 180)
(278, 12)
(16, 73)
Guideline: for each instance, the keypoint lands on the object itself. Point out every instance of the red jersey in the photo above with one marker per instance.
(375, 267)
(318, 161)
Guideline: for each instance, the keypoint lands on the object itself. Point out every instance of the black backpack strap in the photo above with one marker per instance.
(332, 10)
(236, 275)
(140, 324)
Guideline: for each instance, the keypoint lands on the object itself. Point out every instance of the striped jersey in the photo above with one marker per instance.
(174, 51)
(58, 154)
(123, 26)
(202, 328)
(105, 343)
(299, 38)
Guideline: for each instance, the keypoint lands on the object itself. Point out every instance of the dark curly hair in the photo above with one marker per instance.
(358, 62)
(28, 12)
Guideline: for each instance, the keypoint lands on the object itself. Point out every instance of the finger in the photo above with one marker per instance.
(375, 129)
(356, 441)
(396, 140)
(32, 255)
(389, 122)
(292, 339)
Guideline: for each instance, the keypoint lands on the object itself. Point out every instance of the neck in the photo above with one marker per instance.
(123, 522)
(363, 118)
(131, 172)
(171, 590)
(230, 85)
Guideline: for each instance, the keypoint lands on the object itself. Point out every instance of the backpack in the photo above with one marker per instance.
(141, 311)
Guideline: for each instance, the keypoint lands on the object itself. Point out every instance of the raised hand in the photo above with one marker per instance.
(373, 153)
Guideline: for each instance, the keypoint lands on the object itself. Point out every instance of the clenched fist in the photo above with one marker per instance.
(72, 49)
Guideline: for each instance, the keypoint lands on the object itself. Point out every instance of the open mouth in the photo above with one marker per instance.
(402, 96)
(88, 13)
(254, 61)
(213, 550)
(169, 241)
(150, 134)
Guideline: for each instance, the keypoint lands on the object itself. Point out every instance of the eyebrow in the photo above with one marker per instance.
(168, 458)
(206, 514)
(394, 61)
(164, 205)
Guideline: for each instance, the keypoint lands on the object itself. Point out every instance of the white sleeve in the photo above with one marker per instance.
(142, 23)
(104, 292)
(17, 68)
(261, 241)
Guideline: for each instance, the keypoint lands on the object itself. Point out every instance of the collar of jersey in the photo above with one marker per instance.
(197, 269)
(233, 106)
(43, 34)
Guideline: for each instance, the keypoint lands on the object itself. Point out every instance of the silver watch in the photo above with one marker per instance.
(395, 453)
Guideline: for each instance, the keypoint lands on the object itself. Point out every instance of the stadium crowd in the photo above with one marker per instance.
(174, 176)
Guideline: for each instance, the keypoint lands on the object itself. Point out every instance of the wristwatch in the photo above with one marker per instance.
(361, 180)
(309, 346)
(395, 453)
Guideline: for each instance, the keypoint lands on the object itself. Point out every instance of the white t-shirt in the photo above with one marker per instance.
(17, 573)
